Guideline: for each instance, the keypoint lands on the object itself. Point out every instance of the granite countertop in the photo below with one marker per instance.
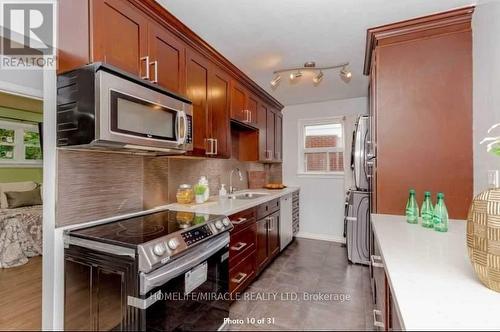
(227, 206)
(431, 278)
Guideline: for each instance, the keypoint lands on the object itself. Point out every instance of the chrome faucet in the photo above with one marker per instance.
(231, 188)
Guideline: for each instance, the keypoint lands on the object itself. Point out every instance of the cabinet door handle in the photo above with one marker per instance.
(270, 225)
(216, 150)
(146, 59)
(239, 221)
(376, 322)
(155, 80)
(239, 279)
(376, 261)
(210, 149)
(239, 246)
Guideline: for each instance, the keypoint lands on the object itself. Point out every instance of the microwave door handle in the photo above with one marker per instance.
(181, 127)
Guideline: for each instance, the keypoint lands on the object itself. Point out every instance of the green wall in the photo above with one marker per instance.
(21, 174)
(18, 173)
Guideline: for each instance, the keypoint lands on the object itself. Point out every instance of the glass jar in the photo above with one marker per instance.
(185, 194)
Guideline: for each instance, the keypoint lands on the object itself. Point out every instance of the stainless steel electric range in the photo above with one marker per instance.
(161, 271)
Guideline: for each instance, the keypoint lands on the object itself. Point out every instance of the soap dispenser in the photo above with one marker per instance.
(222, 191)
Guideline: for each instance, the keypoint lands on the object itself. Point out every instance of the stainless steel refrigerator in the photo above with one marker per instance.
(357, 228)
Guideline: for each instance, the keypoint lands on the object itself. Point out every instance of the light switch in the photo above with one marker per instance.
(493, 179)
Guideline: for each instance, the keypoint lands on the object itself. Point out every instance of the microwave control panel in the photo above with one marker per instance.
(189, 125)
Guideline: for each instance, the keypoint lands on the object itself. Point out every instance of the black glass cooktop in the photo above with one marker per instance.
(138, 230)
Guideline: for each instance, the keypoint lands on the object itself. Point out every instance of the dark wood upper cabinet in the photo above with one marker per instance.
(120, 35)
(238, 102)
(278, 136)
(270, 135)
(144, 39)
(244, 105)
(262, 125)
(167, 59)
(219, 103)
(252, 105)
(423, 135)
(197, 88)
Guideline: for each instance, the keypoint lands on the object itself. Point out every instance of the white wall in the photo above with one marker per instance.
(322, 198)
(486, 92)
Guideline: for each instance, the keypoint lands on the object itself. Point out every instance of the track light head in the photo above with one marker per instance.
(276, 81)
(295, 75)
(345, 75)
(318, 78)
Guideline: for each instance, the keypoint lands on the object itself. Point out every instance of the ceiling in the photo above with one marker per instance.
(260, 36)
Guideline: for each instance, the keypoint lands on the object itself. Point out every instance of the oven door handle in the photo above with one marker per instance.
(179, 266)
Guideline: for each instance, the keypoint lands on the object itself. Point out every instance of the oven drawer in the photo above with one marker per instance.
(242, 219)
(268, 208)
(242, 274)
(242, 243)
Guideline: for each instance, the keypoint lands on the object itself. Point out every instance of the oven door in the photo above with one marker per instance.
(137, 116)
(193, 291)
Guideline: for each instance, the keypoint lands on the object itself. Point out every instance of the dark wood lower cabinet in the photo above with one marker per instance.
(254, 243)
(262, 244)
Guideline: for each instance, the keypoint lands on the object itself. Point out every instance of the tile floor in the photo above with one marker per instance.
(307, 267)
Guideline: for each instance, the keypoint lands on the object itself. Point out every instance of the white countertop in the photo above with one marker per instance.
(431, 278)
(227, 206)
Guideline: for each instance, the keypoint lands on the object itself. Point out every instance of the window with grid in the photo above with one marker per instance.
(321, 148)
(19, 144)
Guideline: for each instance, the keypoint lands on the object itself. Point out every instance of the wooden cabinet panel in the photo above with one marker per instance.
(238, 101)
(262, 244)
(242, 219)
(167, 56)
(252, 105)
(278, 137)
(437, 135)
(220, 130)
(423, 134)
(262, 125)
(119, 35)
(197, 76)
(242, 243)
(241, 275)
(270, 133)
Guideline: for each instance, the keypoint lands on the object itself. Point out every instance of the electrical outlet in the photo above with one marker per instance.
(493, 179)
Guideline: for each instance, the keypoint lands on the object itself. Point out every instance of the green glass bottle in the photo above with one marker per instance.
(427, 211)
(440, 215)
(412, 208)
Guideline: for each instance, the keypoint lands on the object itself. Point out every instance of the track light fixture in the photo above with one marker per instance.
(276, 80)
(318, 78)
(345, 73)
(295, 75)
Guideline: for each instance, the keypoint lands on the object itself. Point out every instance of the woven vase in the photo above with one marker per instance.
(483, 237)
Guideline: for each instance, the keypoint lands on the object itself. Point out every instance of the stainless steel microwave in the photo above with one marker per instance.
(102, 107)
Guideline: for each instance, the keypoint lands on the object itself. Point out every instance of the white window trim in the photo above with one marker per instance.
(19, 146)
(318, 121)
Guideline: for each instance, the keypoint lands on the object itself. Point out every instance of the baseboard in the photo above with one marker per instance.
(321, 237)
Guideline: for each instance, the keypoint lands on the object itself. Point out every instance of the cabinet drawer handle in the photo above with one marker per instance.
(239, 246)
(376, 261)
(155, 80)
(239, 221)
(239, 279)
(146, 59)
(376, 322)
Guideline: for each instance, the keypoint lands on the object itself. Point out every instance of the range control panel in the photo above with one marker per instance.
(196, 234)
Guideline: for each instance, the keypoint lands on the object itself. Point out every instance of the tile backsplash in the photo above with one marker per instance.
(93, 185)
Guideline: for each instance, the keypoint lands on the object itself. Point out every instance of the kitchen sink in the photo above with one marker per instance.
(247, 195)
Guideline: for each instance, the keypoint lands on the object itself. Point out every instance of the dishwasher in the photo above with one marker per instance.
(286, 221)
